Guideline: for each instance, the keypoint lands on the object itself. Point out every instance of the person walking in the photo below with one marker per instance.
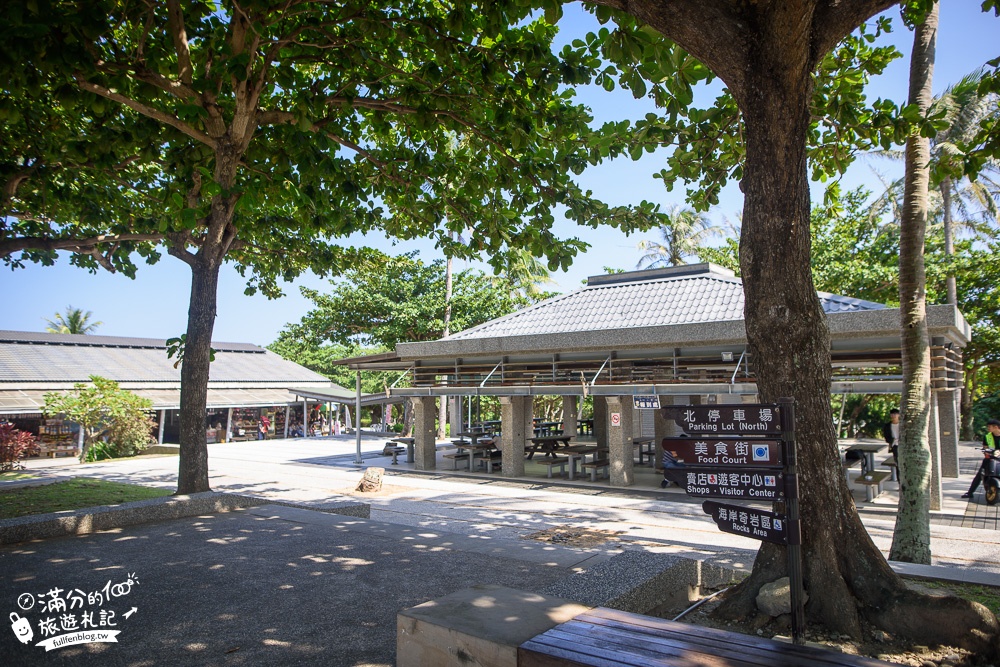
(990, 441)
(890, 433)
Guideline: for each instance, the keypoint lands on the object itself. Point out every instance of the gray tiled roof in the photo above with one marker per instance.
(29, 357)
(684, 295)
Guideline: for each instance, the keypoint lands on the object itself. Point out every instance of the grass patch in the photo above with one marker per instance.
(988, 596)
(71, 495)
(15, 476)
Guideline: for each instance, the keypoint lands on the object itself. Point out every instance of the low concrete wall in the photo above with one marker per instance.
(107, 517)
(480, 626)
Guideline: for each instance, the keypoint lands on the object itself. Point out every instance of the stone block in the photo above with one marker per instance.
(480, 626)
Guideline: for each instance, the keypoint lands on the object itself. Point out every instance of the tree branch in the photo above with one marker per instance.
(175, 24)
(147, 111)
(833, 21)
(86, 245)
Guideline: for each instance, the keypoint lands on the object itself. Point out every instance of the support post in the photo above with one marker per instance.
(601, 421)
(305, 417)
(515, 428)
(357, 411)
(619, 433)
(794, 530)
(948, 414)
(569, 415)
(288, 416)
(424, 432)
(163, 418)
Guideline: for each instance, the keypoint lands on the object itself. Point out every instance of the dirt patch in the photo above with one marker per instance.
(575, 537)
(875, 643)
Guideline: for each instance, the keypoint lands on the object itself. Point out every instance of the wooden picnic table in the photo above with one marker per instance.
(867, 447)
(579, 453)
(476, 448)
(548, 444)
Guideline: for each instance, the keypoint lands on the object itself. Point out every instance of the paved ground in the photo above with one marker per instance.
(284, 586)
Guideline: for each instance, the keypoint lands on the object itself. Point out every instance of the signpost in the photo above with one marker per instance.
(732, 451)
(750, 522)
(651, 402)
(738, 462)
(759, 485)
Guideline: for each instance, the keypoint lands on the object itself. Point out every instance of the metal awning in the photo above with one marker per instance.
(341, 395)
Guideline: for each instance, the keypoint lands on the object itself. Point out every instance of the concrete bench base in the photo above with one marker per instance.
(477, 626)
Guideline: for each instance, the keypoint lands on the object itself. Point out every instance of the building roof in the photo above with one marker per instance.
(37, 357)
(692, 294)
(32, 364)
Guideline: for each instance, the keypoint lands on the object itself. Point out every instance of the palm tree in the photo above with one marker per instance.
(73, 321)
(526, 273)
(682, 233)
(975, 201)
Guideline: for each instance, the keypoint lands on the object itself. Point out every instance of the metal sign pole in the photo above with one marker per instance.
(794, 548)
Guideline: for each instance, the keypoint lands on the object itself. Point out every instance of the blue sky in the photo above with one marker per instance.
(155, 303)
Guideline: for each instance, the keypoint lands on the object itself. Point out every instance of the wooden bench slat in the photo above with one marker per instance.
(735, 649)
(643, 649)
(877, 478)
(533, 653)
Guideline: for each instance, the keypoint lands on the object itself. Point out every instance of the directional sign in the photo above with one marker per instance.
(722, 420)
(726, 452)
(764, 485)
(651, 402)
(749, 522)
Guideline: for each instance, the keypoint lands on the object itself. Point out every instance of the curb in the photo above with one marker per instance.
(107, 517)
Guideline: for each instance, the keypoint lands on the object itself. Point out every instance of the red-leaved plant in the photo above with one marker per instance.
(13, 446)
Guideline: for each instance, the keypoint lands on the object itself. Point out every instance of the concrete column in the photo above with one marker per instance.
(424, 432)
(934, 441)
(948, 415)
(163, 418)
(288, 415)
(229, 425)
(665, 428)
(516, 427)
(569, 416)
(305, 418)
(601, 421)
(620, 441)
(455, 417)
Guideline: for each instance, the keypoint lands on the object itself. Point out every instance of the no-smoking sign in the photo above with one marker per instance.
(616, 419)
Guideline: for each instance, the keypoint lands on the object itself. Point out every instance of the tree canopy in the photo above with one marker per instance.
(397, 300)
(263, 133)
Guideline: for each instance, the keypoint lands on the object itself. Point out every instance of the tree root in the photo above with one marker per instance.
(946, 620)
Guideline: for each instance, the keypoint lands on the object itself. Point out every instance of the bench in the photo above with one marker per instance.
(394, 451)
(464, 456)
(555, 462)
(647, 447)
(602, 637)
(849, 464)
(594, 466)
(890, 463)
(492, 458)
(873, 483)
(53, 449)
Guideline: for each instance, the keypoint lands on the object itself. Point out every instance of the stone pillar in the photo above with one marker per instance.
(455, 417)
(569, 416)
(665, 428)
(620, 441)
(515, 428)
(948, 415)
(601, 421)
(424, 432)
(934, 442)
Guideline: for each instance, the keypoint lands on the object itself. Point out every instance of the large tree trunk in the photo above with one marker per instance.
(911, 539)
(192, 474)
(968, 393)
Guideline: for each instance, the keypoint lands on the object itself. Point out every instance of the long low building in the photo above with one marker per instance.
(247, 382)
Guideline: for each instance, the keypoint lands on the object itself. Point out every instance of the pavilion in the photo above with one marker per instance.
(677, 333)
